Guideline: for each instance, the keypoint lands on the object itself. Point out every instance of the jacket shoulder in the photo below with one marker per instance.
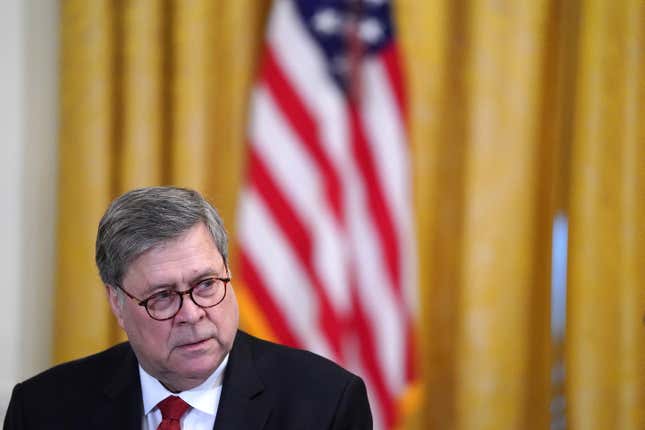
(276, 358)
(65, 396)
(305, 389)
(84, 370)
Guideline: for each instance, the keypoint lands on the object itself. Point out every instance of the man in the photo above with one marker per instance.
(162, 255)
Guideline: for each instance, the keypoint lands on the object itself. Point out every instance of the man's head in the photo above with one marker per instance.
(160, 239)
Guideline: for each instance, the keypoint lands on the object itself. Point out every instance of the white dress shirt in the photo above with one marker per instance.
(203, 399)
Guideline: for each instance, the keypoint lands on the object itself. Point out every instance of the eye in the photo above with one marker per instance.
(162, 299)
(162, 295)
(205, 286)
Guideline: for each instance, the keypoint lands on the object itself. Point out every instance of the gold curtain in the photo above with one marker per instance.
(152, 92)
(518, 110)
(606, 334)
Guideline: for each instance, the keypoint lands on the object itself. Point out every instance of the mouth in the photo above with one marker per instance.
(191, 346)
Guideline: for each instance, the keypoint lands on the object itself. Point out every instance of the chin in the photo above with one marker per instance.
(198, 366)
(198, 372)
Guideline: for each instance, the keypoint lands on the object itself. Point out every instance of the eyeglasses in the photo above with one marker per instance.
(164, 305)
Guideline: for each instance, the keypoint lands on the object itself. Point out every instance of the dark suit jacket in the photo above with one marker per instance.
(266, 386)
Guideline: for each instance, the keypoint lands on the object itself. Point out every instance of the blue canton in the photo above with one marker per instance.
(330, 21)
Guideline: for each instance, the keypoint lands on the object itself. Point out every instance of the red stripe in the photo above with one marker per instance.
(300, 240)
(392, 62)
(298, 232)
(275, 316)
(303, 123)
(367, 345)
(378, 209)
(386, 231)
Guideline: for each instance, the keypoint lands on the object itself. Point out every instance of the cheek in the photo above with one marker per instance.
(227, 320)
(143, 330)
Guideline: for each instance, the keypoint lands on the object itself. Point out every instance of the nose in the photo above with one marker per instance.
(189, 311)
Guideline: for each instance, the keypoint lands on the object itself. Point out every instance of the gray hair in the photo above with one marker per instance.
(146, 217)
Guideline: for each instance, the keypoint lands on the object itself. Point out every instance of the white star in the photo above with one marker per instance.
(371, 30)
(327, 21)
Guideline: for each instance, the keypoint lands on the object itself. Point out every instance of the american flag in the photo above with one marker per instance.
(326, 241)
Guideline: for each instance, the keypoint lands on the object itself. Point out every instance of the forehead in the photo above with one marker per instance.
(190, 254)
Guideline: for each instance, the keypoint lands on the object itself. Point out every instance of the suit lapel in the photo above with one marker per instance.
(243, 403)
(123, 407)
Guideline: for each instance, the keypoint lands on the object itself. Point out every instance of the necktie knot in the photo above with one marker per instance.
(172, 408)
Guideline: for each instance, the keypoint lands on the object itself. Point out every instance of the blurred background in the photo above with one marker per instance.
(495, 150)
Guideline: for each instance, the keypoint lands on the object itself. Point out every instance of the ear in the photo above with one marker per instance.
(116, 304)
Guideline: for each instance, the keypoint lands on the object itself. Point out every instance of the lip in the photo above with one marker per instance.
(200, 344)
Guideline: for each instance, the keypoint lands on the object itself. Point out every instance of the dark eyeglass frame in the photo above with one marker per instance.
(181, 295)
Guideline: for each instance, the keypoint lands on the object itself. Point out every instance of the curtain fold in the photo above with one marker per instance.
(606, 336)
(150, 94)
(517, 110)
(500, 286)
(191, 105)
(433, 37)
(144, 97)
(82, 322)
(484, 203)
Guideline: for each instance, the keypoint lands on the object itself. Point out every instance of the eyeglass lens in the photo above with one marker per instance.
(166, 304)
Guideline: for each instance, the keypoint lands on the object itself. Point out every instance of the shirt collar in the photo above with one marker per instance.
(202, 397)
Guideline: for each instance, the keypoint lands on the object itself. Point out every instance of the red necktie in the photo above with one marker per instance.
(172, 408)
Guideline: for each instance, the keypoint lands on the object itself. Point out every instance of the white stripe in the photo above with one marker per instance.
(261, 240)
(387, 138)
(305, 67)
(297, 176)
(375, 290)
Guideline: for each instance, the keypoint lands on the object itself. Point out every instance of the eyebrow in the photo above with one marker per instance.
(209, 272)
